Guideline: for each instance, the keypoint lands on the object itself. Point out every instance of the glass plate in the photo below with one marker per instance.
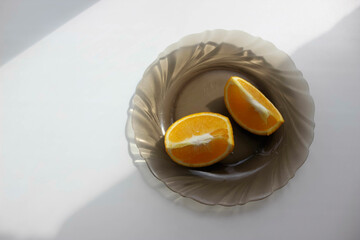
(189, 77)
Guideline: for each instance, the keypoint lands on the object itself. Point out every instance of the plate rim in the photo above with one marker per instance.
(183, 43)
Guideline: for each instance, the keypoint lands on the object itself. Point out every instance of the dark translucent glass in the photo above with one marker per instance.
(189, 77)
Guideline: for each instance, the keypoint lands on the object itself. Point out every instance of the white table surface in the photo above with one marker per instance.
(65, 170)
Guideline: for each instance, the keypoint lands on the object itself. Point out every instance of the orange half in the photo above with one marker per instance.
(250, 108)
(199, 139)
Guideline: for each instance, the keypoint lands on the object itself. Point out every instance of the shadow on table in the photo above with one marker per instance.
(23, 23)
(112, 215)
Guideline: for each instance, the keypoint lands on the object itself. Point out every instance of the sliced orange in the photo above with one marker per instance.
(250, 108)
(199, 139)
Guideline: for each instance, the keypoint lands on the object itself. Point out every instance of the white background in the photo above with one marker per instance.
(65, 171)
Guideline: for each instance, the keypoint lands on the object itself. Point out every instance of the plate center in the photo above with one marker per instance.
(205, 93)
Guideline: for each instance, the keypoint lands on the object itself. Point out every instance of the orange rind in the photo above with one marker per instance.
(199, 139)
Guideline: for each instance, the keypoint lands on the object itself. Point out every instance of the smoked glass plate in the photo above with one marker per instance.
(189, 77)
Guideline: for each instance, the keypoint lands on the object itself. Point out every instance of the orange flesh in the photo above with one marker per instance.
(245, 112)
(199, 140)
(197, 154)
(197, 126)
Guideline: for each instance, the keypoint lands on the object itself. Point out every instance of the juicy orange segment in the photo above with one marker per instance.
(250, 108)
(199, 139)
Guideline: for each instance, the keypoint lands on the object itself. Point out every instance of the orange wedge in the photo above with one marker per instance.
(199, 139)
(250, 108)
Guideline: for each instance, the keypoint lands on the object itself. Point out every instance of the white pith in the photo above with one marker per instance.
(194, 140)
(198, 140)
(263, 111)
